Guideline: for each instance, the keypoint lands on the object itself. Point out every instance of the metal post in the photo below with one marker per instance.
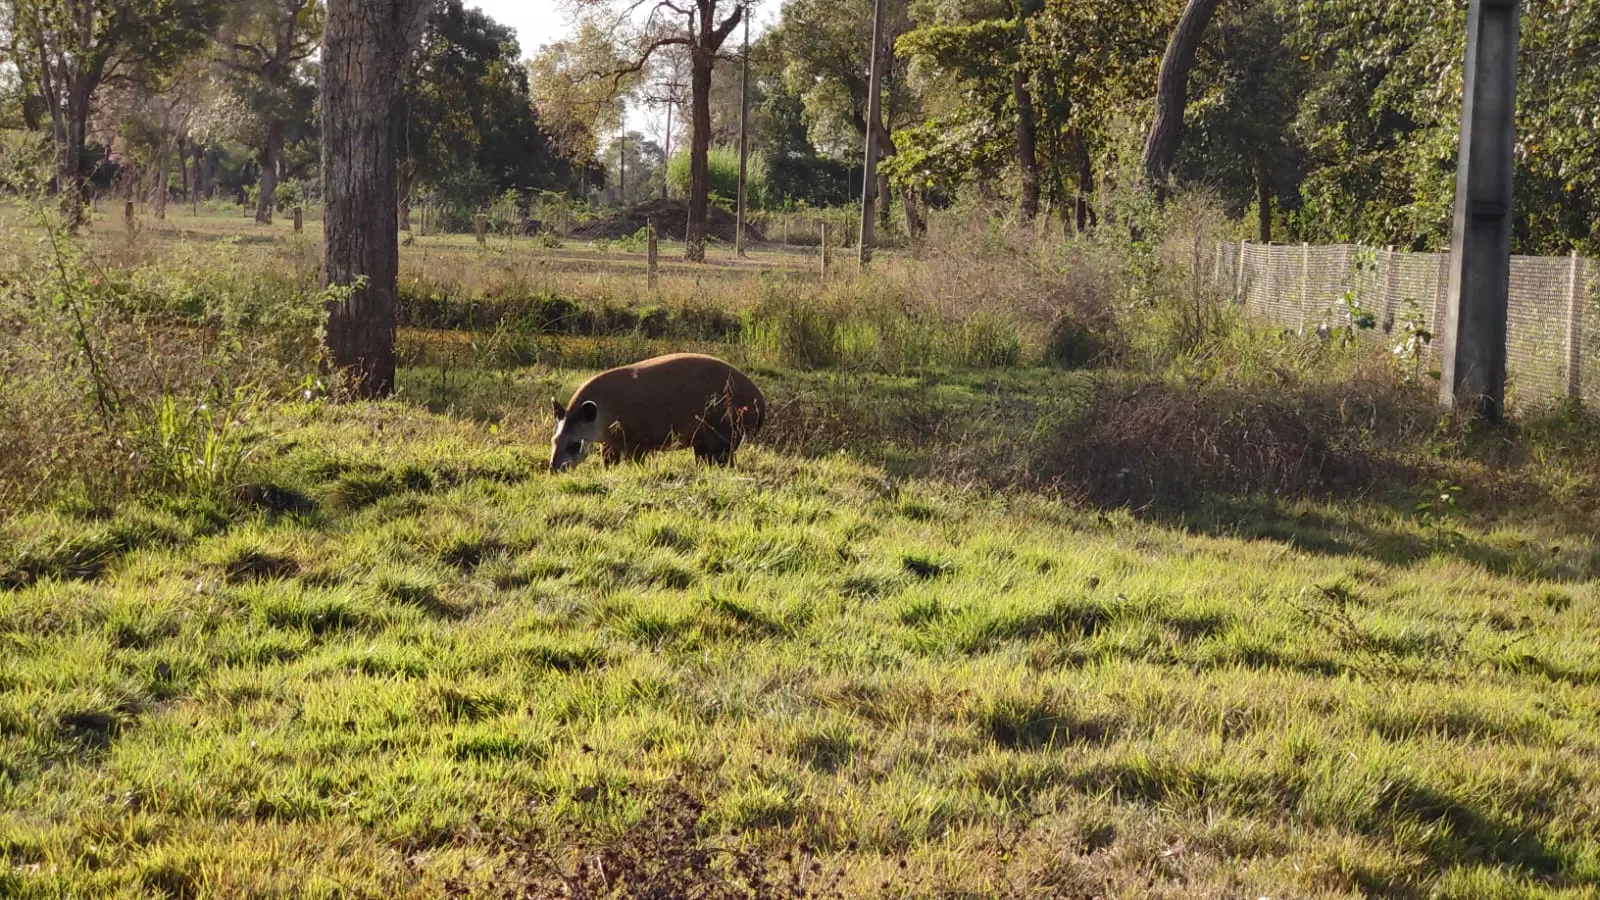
(1473, 378)
(651, 254)
(1575, 329)
(744, 142)
(869, 172)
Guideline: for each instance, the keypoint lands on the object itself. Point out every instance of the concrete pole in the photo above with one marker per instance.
(1474, 365)
(869, 171)
(744, 140)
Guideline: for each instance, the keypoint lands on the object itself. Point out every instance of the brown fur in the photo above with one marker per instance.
(677, 400)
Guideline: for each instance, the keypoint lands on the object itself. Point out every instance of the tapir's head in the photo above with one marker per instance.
(576, 431)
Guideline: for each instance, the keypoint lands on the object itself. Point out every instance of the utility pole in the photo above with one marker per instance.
(744, 142)
(1473, 376)
(869, 171)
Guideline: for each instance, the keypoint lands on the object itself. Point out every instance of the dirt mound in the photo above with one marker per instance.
(671, 216)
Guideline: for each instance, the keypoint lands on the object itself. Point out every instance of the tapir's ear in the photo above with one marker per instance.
(561, 411)
(589, 411)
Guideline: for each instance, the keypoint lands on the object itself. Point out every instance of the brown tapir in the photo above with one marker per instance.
(677, 400)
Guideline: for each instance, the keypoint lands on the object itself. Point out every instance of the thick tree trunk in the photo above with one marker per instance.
(1172, 91)
(364, 47)
(1027, 147)
(699, 148)
(1263, 201)
(71, 186)
(267, 197)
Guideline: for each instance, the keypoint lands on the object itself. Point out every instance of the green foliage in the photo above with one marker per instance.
(723, 166)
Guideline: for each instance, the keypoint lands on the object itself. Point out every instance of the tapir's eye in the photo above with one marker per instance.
(575, 447)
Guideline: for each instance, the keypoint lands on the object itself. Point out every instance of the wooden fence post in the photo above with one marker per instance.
(127, 219)
(651, 252)
(480, 224)
(1575, 329)
(824, 228)
(299, 219)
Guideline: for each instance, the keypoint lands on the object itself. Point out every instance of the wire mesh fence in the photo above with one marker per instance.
(1553, 321)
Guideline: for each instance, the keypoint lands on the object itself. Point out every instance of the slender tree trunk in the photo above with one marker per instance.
(1172, 91)
(699, 147)
(403, 176)
(364, 47)
(183, 168)
(1084, 210)
(271, 149)
(1027, 149)
(159, 201)
(1263, 200)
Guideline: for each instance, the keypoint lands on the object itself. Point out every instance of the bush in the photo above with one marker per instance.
(723, 166)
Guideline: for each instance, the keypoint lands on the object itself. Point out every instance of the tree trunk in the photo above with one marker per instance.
(1172, 91)
(699, 147)
(403, 176)
(1263, 201)
(271, 149)
(1027, 149)
(1084, 210)
(159, 201)
(183, 168)
(364, 47)
(69, 127)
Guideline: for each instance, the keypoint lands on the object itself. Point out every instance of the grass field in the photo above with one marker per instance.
(911, 646)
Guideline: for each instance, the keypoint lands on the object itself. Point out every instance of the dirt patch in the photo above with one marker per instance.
(671, 218)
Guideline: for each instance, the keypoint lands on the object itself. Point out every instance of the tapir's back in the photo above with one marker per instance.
(675, 396)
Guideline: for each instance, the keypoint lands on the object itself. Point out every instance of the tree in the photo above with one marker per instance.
(75, 46)
(264, 42)
(365, 46)
(701, 27)
(467, 116)
(1172, 90)
(828, 47)
(580, 88)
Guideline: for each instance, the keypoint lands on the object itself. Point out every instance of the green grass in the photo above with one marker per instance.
(342, 680)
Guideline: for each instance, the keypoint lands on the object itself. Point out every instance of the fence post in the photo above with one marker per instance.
(1238, 276)
(1391, 288)
(1441, 297)
(299, 219)
(480, 224)
(651, 252)
(1575, 329)
(1216, 270)
(824, 228)
(127, 219)
(1305, 282)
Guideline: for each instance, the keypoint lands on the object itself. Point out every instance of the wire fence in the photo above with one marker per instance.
(1553, 321)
